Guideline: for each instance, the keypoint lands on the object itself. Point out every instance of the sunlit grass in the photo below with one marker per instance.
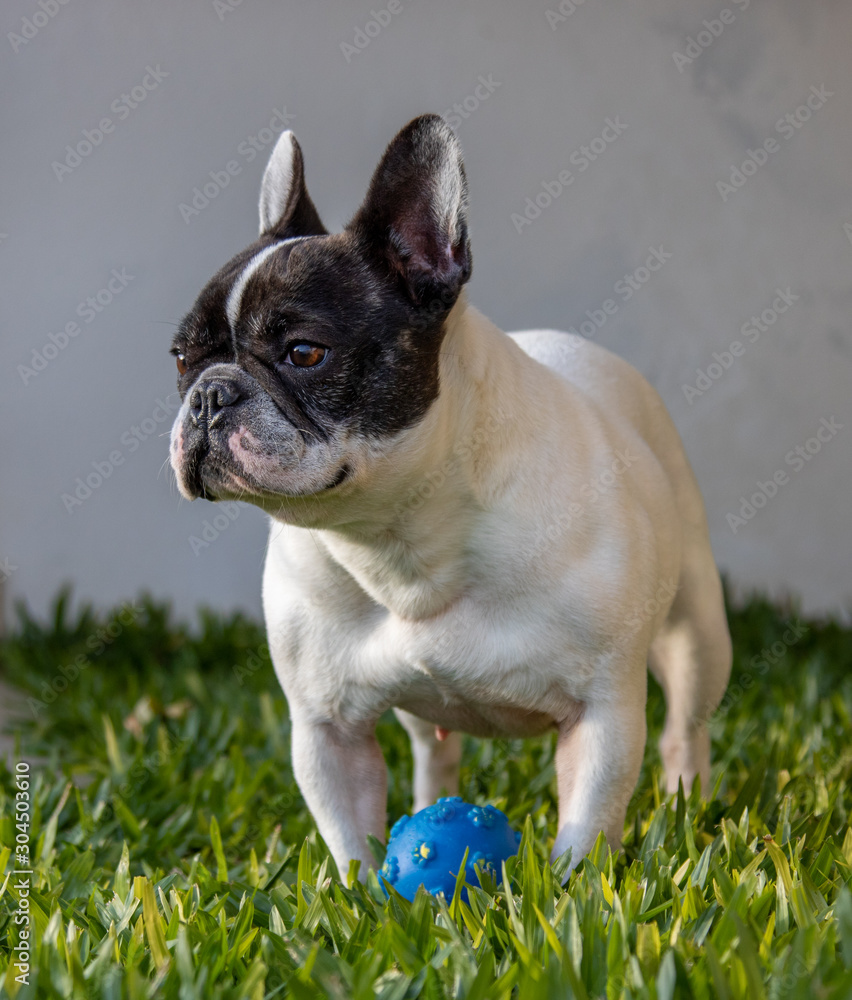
(173, 855)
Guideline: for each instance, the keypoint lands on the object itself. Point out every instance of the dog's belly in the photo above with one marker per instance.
(482, 718)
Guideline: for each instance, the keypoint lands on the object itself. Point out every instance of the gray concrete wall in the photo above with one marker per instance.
(222, 70)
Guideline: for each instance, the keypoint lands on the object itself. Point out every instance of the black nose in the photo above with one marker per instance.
(209, 398)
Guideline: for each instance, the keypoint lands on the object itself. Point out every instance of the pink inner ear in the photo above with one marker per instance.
(424, 248)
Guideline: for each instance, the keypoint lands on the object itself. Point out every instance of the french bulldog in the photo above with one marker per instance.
(490, 533)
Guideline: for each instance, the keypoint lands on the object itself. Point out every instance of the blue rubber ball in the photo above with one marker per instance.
(427, 848)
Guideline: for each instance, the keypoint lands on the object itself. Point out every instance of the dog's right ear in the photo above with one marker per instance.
(286, 208)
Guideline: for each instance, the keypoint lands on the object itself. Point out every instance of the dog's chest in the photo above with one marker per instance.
(496, 661)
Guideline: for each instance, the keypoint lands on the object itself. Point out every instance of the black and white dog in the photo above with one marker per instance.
(489, 533)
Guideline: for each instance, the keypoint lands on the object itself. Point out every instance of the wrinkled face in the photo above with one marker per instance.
(306, 348)
(294, 353)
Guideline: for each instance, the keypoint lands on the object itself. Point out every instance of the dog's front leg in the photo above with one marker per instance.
(342, 776)
(598, 758)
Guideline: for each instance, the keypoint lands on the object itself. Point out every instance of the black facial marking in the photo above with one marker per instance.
(381, 372)
(204, 335)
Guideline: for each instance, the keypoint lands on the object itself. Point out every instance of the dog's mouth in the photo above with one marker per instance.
(209, 480)
(342, 475)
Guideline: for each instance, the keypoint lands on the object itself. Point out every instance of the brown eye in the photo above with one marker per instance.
(305, 355)
(181, 363)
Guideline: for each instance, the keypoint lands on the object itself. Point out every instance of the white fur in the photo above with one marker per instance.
(235, 296)
(277, 181)
(505, 566)
(449, 200)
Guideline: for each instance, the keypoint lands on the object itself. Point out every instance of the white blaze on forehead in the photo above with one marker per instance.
(235, 296)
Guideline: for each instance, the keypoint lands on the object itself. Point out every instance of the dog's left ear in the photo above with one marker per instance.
(415, 214)
(286, 208)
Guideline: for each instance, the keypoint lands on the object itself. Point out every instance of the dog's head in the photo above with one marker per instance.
(306, 347)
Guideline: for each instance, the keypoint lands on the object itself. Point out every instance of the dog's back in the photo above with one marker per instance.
(625, 395)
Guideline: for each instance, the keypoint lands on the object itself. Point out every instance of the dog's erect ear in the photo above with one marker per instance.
(415, 213)
(286, 208)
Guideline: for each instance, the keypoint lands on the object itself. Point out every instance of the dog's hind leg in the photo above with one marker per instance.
(691, 659)
(436, 761)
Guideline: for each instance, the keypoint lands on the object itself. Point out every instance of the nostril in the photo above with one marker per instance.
(220, 394)
(223, 394)
(210, 398)
(196, 406)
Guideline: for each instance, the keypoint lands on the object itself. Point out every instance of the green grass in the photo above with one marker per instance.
(173, 855)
